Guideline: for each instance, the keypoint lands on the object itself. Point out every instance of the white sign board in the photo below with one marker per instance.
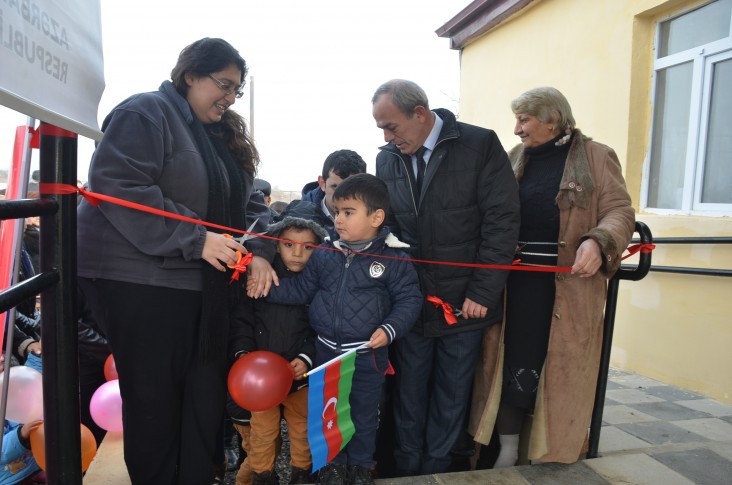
(51, 61)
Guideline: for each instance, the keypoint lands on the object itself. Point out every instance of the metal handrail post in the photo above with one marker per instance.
(640, 272)
(59, 328)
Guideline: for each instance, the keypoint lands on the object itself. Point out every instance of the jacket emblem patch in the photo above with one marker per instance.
(377, 269)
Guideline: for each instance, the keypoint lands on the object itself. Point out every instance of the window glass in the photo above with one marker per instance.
(698, 27)
(670, 133)
(717, 186)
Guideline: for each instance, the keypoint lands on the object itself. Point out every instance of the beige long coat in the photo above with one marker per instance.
(594, 203)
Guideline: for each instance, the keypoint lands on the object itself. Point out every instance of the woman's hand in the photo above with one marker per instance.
(260, 276)
(588, 259)
(219, 250)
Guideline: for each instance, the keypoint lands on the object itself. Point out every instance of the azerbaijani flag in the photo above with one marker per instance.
(329, 411)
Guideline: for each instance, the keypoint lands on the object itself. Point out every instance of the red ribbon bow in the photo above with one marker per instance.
(642, 248)
(240, 266)
(446, 309)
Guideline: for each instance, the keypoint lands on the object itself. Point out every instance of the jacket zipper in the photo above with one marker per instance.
(339, 313)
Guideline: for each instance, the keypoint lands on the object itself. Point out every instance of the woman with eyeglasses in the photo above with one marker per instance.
(160, 287)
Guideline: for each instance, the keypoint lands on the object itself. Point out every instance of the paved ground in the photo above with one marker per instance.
(652, 434)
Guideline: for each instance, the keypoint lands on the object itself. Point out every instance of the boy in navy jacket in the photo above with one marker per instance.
(359, 291)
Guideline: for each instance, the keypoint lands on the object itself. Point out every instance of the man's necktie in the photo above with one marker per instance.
(421, 166)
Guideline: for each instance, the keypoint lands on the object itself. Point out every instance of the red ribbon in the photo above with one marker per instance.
(642, 248)
(390, 369)
(446, 309)
(95, 199)
(240, 266)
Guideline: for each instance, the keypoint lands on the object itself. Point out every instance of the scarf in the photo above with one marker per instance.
(225, 207)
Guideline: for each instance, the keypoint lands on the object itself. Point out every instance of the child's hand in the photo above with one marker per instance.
(299, 368)
(26, 429)
(378, 339)
(260, 278)
(35, 347)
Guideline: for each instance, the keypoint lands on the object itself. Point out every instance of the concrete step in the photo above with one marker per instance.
(671, 463)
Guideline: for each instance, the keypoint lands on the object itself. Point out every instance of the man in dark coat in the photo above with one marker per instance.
(462, 208)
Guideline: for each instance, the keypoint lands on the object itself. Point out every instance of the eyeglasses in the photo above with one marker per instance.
(228, 88)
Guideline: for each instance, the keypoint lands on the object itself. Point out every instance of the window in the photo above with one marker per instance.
(690, 164)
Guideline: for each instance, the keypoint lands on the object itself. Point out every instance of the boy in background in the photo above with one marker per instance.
(285, 330)
(357, 296)
(338, 166)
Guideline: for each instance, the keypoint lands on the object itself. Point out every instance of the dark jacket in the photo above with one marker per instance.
(27, 317)
(21, 342)
(304, 210)
(93, 344)
(353, 294)
(279, 328)
(32, 244)
(148, 155)
(468, 213)
(313, 193)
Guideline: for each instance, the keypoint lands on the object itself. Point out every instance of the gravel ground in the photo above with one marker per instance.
(282, 465)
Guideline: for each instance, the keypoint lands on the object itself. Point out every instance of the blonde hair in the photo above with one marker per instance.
(546, 103)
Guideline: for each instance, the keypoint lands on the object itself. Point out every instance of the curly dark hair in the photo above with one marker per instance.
(202, 58)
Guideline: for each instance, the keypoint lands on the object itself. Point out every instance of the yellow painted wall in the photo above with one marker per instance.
(671, 327)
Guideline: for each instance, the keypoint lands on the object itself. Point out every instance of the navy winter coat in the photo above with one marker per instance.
(352, 294)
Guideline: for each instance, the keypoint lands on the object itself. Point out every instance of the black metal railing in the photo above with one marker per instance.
(636, 274)
(687, 270)
(57, 286)
(628, 272)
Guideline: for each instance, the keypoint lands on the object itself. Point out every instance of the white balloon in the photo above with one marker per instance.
(25, 394)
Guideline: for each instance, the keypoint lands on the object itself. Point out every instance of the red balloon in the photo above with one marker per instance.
(260, 380)
(110, 369)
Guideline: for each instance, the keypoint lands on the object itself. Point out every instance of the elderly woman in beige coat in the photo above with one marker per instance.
(544, 359)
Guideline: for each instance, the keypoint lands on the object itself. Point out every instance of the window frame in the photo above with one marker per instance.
(703, 59)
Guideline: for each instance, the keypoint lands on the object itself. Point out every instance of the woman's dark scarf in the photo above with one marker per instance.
(225, 207)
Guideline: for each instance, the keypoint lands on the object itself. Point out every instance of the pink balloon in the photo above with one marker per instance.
(25, 394)
(106, 406)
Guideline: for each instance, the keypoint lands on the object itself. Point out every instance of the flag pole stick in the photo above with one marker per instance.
(336, 359)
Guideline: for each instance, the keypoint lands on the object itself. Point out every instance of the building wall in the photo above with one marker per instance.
(675, 328)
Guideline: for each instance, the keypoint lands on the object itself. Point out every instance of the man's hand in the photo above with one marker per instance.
(472, 309)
